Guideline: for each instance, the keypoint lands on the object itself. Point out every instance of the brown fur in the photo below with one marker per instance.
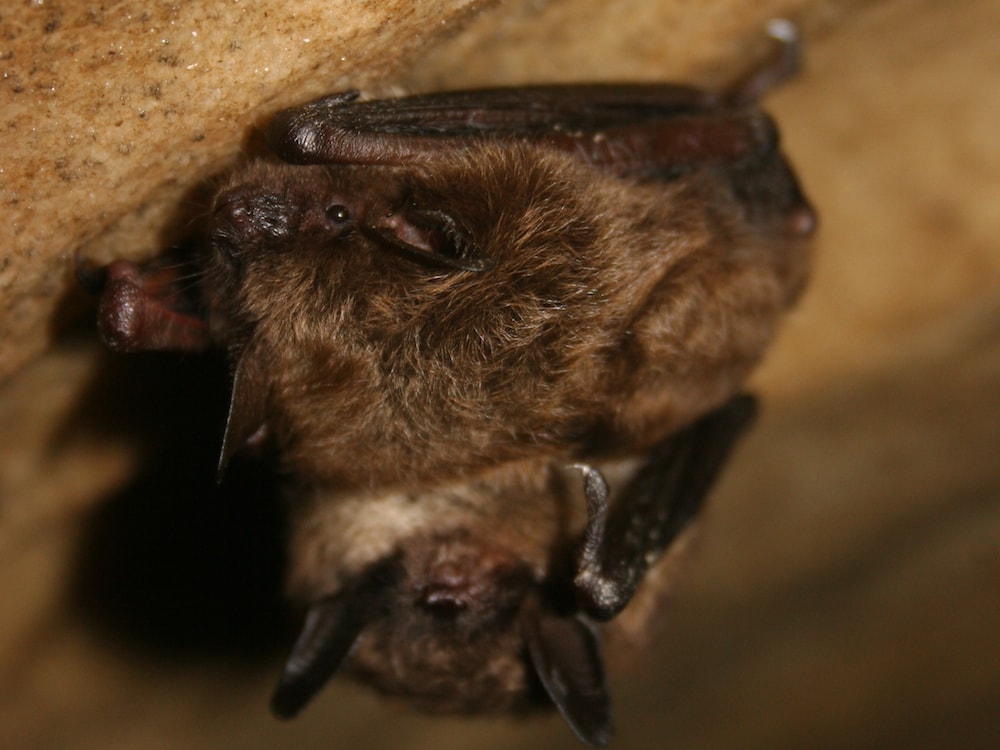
(617, 311)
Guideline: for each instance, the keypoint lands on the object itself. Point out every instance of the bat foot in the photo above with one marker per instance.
(782, 64)
(136, 311)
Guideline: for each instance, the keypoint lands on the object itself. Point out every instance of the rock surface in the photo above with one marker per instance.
(847, 593)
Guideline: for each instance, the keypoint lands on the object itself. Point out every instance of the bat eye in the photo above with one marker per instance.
(338, 214)
(339, 220)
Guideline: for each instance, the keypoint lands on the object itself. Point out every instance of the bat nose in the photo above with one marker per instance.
(244, 213)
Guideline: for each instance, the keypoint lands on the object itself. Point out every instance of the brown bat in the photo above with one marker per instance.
(433, 306)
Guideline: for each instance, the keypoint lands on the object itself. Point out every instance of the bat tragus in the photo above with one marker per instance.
(454, 314)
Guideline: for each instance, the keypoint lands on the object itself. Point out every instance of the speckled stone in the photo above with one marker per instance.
(110, 114)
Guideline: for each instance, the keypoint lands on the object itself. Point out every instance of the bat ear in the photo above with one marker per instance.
(247, 410)
(331, 628)
(431, 237)
(567, 658)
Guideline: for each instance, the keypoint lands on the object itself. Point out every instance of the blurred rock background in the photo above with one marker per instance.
(847, 588)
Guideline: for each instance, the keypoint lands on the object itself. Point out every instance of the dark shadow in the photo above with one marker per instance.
(173, 563)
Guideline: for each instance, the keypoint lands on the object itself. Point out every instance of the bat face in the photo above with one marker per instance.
(437, 305)
(446, 636)
(430, 597)
(449, 612)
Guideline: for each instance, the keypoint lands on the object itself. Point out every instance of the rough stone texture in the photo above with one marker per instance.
(847, 592)
(624, 40)
(113, 114)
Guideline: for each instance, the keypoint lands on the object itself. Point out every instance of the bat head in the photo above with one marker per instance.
(453, 624)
